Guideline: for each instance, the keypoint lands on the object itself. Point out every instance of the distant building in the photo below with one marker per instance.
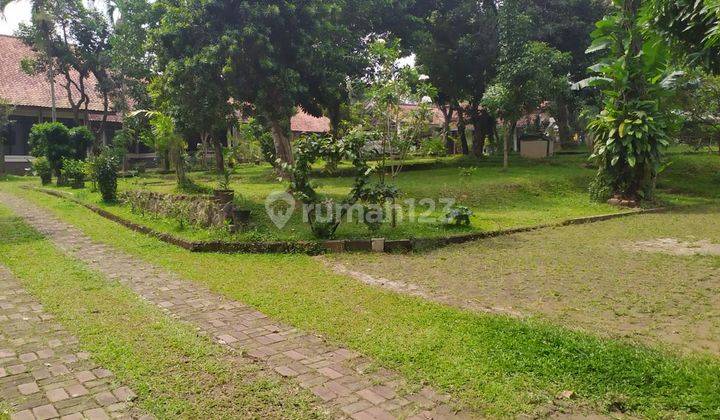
(30, 97)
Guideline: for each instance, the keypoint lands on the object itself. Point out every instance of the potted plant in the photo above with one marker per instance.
(41, 167)
(223, 194)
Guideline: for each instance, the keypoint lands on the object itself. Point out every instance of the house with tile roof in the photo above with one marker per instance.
(31, 100)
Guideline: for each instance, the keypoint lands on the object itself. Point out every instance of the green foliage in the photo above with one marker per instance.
(73, 170)
(458, 216)
(384, 124)
(699, 99)
(53, 141)
(529, 74)
(166, 139)
(41, 167)
(105, 172)
(309, 150)
(275, 55)
(224, 179)
(81, 138)
(690, 27)
(632, 129)
(433, 146)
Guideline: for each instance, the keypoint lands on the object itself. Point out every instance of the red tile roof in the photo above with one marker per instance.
(21, 89)
(302, 122)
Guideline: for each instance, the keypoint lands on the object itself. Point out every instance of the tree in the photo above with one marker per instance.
(632, 129)
(691, 27)
(529, 72)
(132, 65)
(385, 125)
(56, 143)
(275, 55)
(5, 111)
(40, 19)
(190, 87)
(457, 47)
(699, 100)
(166, 138)
(77, 50)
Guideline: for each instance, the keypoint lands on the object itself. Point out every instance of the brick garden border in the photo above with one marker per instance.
(341, 245)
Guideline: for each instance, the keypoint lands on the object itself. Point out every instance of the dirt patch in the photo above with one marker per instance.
(416, 290)
(606, 278)
(675, 246)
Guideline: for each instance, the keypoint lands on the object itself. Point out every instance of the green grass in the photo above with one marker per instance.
(529, 193)
(494, 364)
(176, 373)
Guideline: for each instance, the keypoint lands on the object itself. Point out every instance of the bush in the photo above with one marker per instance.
(80, 139)
(105, 172)
(267, 147)
(458, 216)
(74, 170)
(52, 141)
(41, 167)
(433, 146)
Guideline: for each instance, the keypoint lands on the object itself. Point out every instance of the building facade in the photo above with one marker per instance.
(30, 97)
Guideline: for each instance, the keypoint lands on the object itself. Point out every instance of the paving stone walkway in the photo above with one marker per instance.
(343, 379)
(42, 373)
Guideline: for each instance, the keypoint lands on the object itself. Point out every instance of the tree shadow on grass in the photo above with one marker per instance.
(13, 231)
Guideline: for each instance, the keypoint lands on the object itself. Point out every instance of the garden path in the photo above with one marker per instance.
(344, 380)
(43, 374)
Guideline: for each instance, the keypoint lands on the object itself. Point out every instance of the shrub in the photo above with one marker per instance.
(51, 140)
(433, 146)
(458, 216)
(41, 167)
(74, 170)
(80, 139)
(105, 173)
(267, 147)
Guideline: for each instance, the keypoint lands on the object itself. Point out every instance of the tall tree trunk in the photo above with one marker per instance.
(509, 134)
(218, 138)
(204, 147)
(447, 112)
(462, 130)
(283, 148)
(179, 164)
(53, 101)
(480, 130)
(2, 157)
(166, 161)
(563, 122)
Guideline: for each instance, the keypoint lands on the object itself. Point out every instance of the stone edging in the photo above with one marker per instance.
(341, 245)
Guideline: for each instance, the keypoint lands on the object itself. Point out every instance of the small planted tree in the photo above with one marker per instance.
(324, 213)
(388, 126)
(105, 168)
(53, 141)
(529, 72)
(632, 128)
(166, 138)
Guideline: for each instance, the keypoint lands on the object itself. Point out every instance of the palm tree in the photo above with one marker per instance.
(41, 20)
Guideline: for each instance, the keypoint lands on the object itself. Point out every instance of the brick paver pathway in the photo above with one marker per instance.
(340, 377)
(42, 373)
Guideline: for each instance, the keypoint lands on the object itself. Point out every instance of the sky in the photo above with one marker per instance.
(19, 11)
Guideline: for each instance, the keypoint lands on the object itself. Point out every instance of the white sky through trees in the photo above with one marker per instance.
(19, 11)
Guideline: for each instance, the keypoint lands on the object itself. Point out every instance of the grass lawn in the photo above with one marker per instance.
(529, 193)
(607, 278)
(495, 364)
(176, 373)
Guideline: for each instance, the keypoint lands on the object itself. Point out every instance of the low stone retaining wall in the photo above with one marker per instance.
(202, 211)
(342, 245)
